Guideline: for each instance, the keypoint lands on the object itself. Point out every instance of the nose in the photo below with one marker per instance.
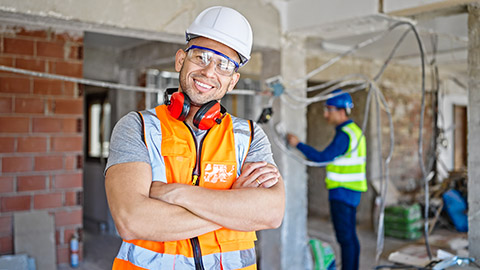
(209, 70)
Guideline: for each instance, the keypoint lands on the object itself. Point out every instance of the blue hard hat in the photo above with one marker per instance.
(344, 100)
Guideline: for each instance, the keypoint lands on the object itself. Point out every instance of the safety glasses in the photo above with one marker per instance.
(202, 56)
(330, 109)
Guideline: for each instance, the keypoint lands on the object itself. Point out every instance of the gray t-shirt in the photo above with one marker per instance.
(126, 143)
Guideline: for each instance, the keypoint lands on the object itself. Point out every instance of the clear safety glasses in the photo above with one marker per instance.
(202, 56)
(330, 109)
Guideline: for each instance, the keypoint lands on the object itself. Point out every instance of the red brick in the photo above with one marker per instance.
(15, 85)
(14, 124)
(47, 87)
(63, 254)
(76, 52)
(48, 125)
(6, 61)
(71, 162)
(5, 105)
(60, 144)
(51, 200)
(6, 184)
(31, 33)
(67, 37)
(16, 164)
(69, 88)
(64, 217)
(31, 183)
(71, 198)
(48, 163)
(6, 225)
(70, 125)
(7, 144)
(18, 46)
(6, 245)
(31, 64)
(16, 203)
(74, 69)
(50, 49)
(68, 234)
(29, 105)
(73, 180)
(32, 144)
(68, 106)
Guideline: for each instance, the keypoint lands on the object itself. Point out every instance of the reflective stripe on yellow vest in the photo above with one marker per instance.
(223, 152)
(348, 171)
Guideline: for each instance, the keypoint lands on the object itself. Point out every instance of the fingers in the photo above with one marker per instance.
(268, 178)
(257, 174)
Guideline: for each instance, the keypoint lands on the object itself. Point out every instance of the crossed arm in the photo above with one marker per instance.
(166, 212)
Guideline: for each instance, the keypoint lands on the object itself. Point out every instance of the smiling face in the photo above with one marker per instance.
(203, 84)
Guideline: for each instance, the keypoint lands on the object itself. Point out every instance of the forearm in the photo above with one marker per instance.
(245, 209)
(137, 216)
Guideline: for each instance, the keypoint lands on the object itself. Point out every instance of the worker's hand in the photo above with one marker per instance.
(292, 140)
(257, 174)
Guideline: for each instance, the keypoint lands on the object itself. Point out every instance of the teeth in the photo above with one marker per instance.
(204, 85)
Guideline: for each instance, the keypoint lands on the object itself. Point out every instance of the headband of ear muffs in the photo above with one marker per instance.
(205, 118)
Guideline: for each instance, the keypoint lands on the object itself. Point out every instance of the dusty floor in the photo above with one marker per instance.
(100, 249)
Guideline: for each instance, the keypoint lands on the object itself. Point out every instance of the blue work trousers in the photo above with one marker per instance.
(344, 221)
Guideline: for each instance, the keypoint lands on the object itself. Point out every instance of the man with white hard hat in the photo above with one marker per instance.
(187, 183)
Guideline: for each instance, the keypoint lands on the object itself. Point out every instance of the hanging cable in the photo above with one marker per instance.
(79, 80)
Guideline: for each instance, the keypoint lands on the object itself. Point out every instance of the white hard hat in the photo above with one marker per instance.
(226, 26)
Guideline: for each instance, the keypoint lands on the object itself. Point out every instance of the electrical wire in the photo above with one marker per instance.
(335, 84)
(79, 80)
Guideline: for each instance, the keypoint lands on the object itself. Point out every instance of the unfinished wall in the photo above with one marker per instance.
(401, 86)
(41, 144)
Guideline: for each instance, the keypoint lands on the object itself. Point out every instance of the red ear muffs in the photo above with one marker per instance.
(208, 115)
(179, 106)
(205, 118)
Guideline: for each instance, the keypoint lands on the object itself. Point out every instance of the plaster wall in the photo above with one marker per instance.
(166, 19)
(401, 86)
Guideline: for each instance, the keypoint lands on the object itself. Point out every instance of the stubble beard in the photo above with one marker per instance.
(196, 99)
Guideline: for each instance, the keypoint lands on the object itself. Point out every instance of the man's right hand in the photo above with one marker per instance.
(292, 140)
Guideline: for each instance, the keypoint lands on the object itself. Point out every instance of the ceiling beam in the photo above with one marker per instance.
(439, 9)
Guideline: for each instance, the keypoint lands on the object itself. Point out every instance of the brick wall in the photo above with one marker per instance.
(41, 142)
(405, 169)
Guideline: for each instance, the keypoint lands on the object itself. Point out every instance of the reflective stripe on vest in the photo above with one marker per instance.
(172, 152)
(144, 258)
(349, 170)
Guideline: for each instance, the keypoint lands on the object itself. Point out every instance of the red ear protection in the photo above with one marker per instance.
(179, 106)
(208, 115)
(205, 118)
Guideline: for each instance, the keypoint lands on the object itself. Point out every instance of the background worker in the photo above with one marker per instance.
(345, 175)
(187, 183)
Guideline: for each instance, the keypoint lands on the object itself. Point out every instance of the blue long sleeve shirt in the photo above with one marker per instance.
(337, 147)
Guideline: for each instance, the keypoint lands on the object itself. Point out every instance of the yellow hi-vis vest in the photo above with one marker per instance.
(348, 171)
(173, 154)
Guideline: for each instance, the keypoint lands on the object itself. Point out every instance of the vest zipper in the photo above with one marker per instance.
(197, 252)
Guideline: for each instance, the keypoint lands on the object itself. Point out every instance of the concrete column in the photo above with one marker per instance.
(287, 247)
(473, 111)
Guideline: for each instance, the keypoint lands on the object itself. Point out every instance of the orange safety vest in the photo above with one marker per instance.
(221, 155)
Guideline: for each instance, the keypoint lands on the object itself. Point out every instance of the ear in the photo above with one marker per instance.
(179, 59)
(233, 81)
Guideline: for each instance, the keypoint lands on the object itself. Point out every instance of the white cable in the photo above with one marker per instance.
(80, 80)
(105, 84)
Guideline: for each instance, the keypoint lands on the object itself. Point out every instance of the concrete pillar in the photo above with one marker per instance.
(287, 247)
(473, 111)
